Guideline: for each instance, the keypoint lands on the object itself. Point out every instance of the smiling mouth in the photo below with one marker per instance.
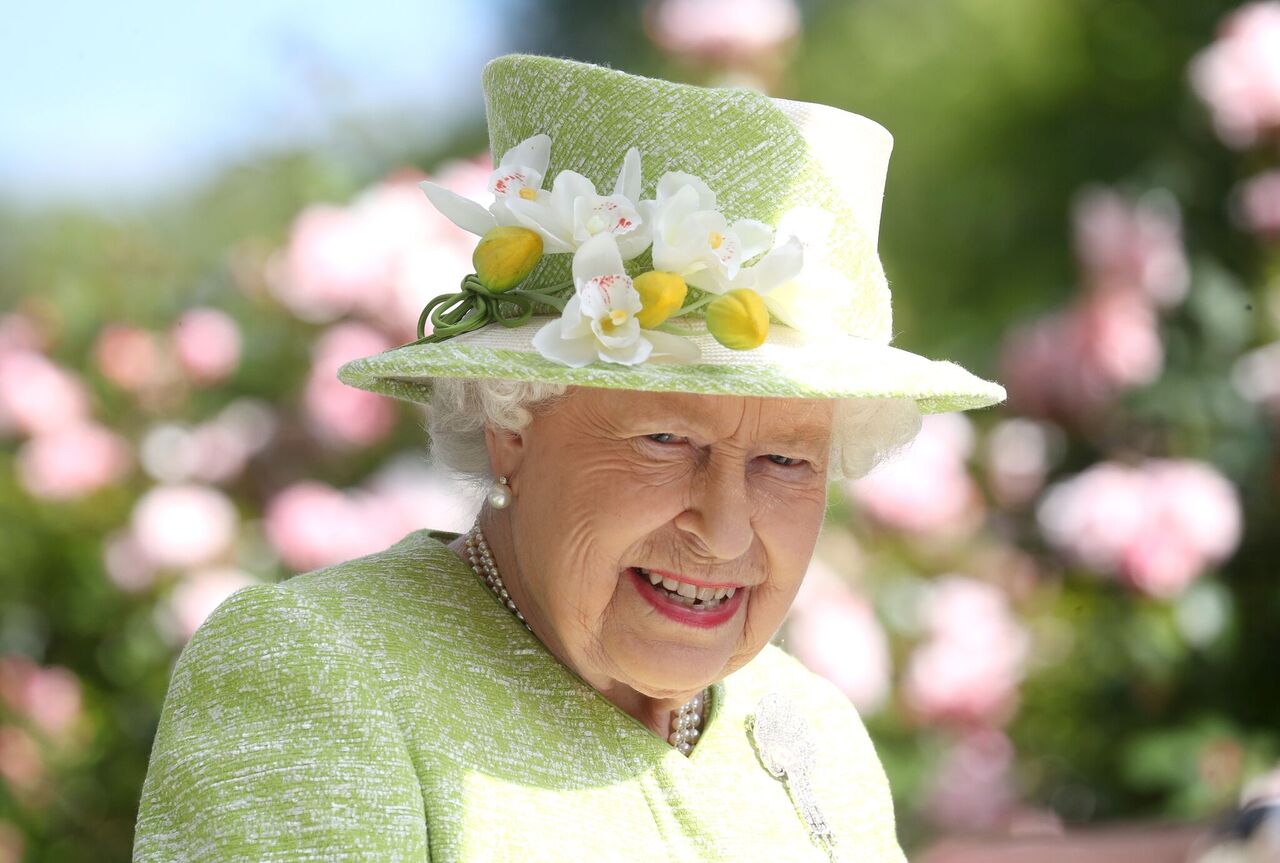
(689, 595)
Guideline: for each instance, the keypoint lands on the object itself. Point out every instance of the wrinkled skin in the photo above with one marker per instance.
(724, 489)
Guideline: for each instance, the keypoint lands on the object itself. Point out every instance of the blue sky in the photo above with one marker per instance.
(110, 101)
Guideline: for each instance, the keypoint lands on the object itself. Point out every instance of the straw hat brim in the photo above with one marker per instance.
(788, 365)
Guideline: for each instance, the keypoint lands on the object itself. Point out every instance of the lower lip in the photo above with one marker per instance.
(683, 613)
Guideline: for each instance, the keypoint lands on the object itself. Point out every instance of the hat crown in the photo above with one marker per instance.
(801, 168)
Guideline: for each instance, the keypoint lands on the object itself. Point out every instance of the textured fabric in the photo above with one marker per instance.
(747, 148)
(786, 365)
(761, 157)
(390, 709)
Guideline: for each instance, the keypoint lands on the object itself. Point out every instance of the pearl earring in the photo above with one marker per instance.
(500, 494)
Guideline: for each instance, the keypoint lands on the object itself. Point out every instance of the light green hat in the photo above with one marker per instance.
(765, 213)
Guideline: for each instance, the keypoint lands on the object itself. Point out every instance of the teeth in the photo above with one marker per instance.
(688, 594)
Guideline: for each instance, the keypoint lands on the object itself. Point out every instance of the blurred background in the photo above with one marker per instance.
(1059, 616)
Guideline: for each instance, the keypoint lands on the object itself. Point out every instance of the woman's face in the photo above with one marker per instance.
(614, 487)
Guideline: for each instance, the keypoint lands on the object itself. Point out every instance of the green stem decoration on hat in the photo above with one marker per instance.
(503, 259)
(475, 306)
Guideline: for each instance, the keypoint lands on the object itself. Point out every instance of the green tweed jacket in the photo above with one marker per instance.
(390, 709)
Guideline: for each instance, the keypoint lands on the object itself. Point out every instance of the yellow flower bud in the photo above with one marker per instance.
(505, 256)
(738, 319)
(661, 295)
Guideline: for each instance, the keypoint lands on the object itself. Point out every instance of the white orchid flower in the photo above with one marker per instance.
(599, 320)
(519, 174)
(693, 239)
(572, 212)
(565, 217)
(517, 177)
(817, 298)
(779, 265)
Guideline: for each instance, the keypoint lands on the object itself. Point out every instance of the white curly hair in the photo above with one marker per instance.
(864, 433)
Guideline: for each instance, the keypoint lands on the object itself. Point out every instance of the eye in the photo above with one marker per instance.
(665, 437)
(785, 461)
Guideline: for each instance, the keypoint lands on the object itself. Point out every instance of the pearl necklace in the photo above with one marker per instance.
(686, 723)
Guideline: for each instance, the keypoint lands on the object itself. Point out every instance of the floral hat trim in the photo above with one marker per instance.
(736, 275)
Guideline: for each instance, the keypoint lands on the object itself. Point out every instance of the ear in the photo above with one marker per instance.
(506, 451)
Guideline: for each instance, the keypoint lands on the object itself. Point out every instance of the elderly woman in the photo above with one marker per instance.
(656, 380)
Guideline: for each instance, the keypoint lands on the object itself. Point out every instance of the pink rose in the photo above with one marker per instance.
(36, 395)
(1019, 453)
(1039, 367)
(1095, 515)
(834, 632)
(312, 525)
(1259, 204)
(1159, 563)
(425, 254)
(1132, 247)
(330, 263)
(927, 489)
(1156, 525)
(183, 525)
(216, 451)
(1194, 520)
(130, 357)
(722, 30)
(49, 695)
(207, 344)
(383, 256)
(72, 461)
(1069, 365)
(340, 414)
(1238, 76)
(1119, 341)
(126, 563)
(1194, 500)
(969, 668)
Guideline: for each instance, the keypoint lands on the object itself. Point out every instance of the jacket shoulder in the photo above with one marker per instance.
(404, 569)
(413, 607)
(274, 730)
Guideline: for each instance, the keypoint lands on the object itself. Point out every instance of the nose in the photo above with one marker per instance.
(719, 513)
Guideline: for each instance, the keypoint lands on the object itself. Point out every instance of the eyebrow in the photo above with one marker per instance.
(673, 419)
(806, 434)
(802, 434)
(799, 437)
